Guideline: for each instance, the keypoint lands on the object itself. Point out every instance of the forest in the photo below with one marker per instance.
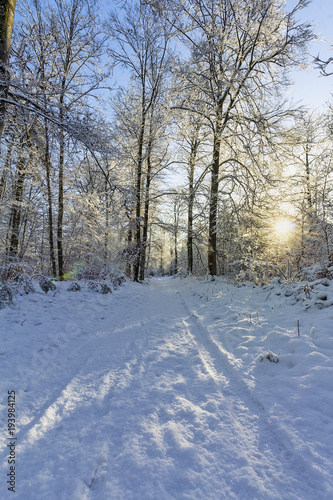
(162, 139)
(156, 137)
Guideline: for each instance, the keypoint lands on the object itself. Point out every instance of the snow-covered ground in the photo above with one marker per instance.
(165, 391)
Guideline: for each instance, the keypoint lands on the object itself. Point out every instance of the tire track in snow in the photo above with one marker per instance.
(159, 410)
(238, 416)
(84, 353)
(217, 361)
(78, 384)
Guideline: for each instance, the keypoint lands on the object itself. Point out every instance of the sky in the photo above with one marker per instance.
(309, 86)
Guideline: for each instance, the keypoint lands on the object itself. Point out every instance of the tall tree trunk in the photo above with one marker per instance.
(176, 249)
(25, 225)
(7, 10)
(214, 187)
(146, 213)
(47, 156)
(307, 175)
(190, 222)
(148, 254)
(129, 246)
(138, 188)
(67, 63)
(106, 234)
(16, 215)
(191, 194)
(61, 204)
(17, 209)
(49, 200)
(176, 253)
(5, 171)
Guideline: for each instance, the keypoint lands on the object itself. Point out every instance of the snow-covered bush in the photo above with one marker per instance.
(17, 278)
(6, 296)
(45, 283)
(14, 272)
(119, 279)
(74, 287)
(22, 285)
(273, 358)
(112, 275)
(93, 286)
(317, 271)
(26, 287)
(102, 288)
(256, 271)
(317, 293)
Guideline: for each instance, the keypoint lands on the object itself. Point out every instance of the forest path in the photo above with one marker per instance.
(147, 407)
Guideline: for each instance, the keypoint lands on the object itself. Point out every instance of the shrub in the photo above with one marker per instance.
(74, 287)
(257, 271)
(93, 286)
(273, 358)
(16, 278)
(104, 288)
(45, 283)
(6, 296)
(113, 276)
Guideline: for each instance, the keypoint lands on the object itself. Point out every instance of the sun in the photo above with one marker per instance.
(283, 226)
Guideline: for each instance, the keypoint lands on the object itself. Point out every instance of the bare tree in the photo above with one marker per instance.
(37, 30)
(240, 51)
(56, 75)
(7, 10)
(142, 48)
(307, 160)
(323, 65)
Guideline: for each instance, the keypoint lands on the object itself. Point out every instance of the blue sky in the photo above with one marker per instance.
(311, 88)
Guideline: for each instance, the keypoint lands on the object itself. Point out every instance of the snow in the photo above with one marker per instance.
(168, 390)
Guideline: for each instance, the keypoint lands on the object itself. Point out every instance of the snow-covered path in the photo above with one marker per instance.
(138, 400)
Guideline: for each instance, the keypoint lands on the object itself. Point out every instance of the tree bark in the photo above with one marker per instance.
(25, 225)
(61, 204)
(66, 67)
(214, 187)
(5, 171)
(191, 195)
(190, 222)
(7, 10)
(175, 241)
(47, 156)
(17, 209)
(308, 181)
(136, 267)
(49, 200)
(16, 215)
(146, 214)
(106, 234)
(129, 247)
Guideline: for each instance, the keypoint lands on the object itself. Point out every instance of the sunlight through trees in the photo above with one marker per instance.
(157, 137)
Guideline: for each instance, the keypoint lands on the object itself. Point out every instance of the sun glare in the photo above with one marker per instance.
(283, 226)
